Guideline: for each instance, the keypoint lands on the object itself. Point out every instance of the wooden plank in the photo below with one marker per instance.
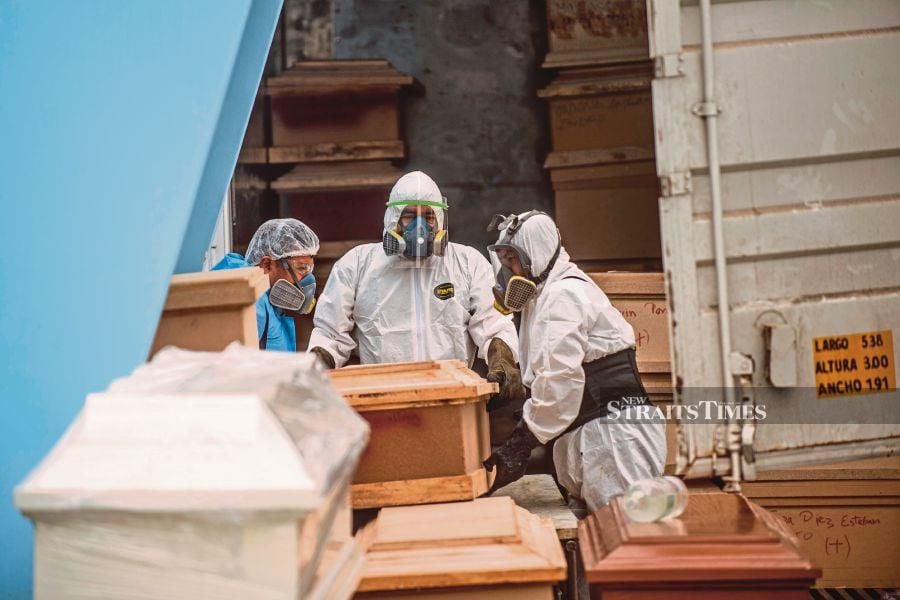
(216, 289)
(429, 383)
(337, 74)
(494, 592)
(338, 151)
(598, 156)
(330, 177)
(415, 491)
(253, 155)
(630, 284)
(451, 553)
(469, 527)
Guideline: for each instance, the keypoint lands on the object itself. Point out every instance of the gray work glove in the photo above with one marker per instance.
(502, 369)
(511, 459)
(324, 356)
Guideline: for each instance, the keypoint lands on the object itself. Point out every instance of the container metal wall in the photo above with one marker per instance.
(809, 148)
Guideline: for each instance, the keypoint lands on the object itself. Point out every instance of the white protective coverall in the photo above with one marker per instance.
(570, 322)
(393, 309)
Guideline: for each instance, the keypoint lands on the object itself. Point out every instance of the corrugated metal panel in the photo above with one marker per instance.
(809, 149)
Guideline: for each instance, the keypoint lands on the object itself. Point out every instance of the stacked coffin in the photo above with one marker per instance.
(846, 517)
(334, 140)
(601, 127)
(215, 475)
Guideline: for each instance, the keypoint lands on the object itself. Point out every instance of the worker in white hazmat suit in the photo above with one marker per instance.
(578, 357)
(416, 295)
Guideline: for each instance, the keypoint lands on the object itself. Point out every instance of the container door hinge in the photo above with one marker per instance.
(669, 65)
(676, 184)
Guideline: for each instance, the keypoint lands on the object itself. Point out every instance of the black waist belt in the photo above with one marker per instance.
(611, 378)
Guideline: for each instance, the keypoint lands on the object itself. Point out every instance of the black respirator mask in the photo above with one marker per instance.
(512, 293)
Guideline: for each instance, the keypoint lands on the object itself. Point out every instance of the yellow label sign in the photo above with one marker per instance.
(859, 363)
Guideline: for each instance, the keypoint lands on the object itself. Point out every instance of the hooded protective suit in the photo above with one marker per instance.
(571, 322)
(394, 309)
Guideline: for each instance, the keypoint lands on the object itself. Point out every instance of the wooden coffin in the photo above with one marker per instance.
(209, 310)
(722, 547)
(429, 433)
(846, 517)
(488, 549)
(602, 166)
(336, 110)
(595, 32)
(641, 298)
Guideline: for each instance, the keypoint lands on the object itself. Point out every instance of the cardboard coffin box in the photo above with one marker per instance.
(722, 547)
(846, 518)
(429, 431)
(209, 310)
(488, 549)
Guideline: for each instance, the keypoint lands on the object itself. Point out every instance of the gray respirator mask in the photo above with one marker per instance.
(298, 297)
(512, 293)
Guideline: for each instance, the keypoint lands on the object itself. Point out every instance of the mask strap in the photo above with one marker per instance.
(290, 269)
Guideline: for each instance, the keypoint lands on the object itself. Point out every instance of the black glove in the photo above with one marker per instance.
(511, 459)
(502, 369)
(324, 356)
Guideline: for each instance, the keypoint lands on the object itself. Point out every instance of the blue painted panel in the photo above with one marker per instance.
(120, 124)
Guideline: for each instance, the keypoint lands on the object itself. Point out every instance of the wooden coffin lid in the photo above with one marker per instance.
(216, 289)
(619, 285)
(876, 480)
(317, 76)
(410, 385)
(482, 542)
(380, 174)
(719, 538)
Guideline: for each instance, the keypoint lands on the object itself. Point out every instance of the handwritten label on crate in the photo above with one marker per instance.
(835, 536)
(854, 364)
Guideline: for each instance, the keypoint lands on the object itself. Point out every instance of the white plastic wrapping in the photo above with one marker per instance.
(200, 475)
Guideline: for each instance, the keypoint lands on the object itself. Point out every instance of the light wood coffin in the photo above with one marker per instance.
(486, 549)
(722, 547)
(846, 517)
(209, 310)
(429, 431)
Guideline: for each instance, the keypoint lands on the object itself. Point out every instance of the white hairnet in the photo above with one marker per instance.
(282, 238)
(538, 237)
(415, 187)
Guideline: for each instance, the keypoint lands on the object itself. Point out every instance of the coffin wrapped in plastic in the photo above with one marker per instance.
(200, 475)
